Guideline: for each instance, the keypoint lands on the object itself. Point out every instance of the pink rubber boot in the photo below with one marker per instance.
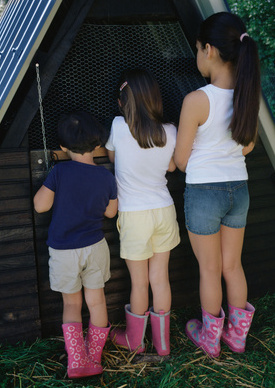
(79, 364)
(239, 322)
(133, 336)
(206, 334)
(95, 340)
(160, 324)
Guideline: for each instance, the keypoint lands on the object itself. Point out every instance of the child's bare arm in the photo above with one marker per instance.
(111, 155)
(248, 148)
(43, 199)
(172, 165)
(111, 209)
(194, 112)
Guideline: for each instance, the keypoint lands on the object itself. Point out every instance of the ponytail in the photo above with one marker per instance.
(227, 33)
(246, 99)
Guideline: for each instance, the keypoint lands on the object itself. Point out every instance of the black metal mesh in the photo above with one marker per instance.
(89, 74)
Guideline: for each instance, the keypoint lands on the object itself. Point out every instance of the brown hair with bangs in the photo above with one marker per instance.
(141, 105)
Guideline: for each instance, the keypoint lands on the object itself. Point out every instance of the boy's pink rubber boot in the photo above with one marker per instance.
(206, 334)
(133, 336)
(95, 341)
(160, 324)
(235, 332)
(79, 364)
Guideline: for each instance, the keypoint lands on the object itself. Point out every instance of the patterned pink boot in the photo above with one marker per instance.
(160, 324)
(239, 322)
(133, 336)
(95, 340)
(206, 334)
(79, 364)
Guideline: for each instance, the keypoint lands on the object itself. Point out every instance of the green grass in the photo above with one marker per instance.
(43, 364)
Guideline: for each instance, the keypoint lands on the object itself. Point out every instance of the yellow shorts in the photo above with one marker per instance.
(70, 269)
(143, 233)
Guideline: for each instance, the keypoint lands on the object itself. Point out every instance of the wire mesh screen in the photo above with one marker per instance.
(88, 76)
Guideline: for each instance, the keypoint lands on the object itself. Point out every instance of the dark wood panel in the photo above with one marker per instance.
(17, 276)
(15, 189)
(29, 286)
(16, 262)
(23, 330)
(18, 174)
(15, 204)
(16, 248)
(19, 307)
(16, 218)
(13, 234)
(10, 158)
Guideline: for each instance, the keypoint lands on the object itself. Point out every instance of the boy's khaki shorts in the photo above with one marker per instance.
(143, 233)
(70, 269)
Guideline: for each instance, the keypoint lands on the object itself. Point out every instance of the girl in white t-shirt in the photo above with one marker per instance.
(218, 127)
(141, 145)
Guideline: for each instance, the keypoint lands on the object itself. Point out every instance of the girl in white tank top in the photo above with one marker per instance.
(218, 127)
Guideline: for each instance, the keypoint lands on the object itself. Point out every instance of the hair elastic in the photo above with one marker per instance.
(123, 85)
(243, 35)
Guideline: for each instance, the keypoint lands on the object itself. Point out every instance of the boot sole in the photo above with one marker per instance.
(83, 373)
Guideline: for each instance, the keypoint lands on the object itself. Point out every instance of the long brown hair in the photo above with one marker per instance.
(141, 105)
(227, 33)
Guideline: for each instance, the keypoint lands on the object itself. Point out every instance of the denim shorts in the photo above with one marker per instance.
(207, 206)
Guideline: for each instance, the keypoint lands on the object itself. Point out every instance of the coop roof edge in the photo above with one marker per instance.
(24, 52)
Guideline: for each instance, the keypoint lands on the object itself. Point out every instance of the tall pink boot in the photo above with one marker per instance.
(239, 322)
(133, 336)
(95, 341)
(206, 334)
(79, 364)
(160, 324)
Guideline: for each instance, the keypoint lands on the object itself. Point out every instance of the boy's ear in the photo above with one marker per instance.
(64, 149)
(208, 49)
(97, 147)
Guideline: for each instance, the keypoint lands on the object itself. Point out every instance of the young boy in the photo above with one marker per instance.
(81, 194)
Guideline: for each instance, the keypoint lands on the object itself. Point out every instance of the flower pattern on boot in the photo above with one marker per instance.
(95, 341)
(206, 334)
(239, 322)
(79, 364)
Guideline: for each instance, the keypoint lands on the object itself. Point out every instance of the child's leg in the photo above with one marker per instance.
(207, 334)
(139, 298)
(78, 363)
(72, 305)
(240, 312)
(159, 281)
(96, 303)
(99, 328)
(136, 312)
(160, 312)
(207, 249)
(232, 270)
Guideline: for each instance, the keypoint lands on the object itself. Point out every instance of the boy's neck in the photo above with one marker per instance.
(87, 158)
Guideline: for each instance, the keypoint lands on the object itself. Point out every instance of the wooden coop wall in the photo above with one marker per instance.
(19, 305)
(258, 251)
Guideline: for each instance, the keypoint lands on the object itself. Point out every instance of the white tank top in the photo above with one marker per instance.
(215, 156)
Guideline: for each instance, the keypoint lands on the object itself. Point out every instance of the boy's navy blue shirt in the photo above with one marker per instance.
(82, 193)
